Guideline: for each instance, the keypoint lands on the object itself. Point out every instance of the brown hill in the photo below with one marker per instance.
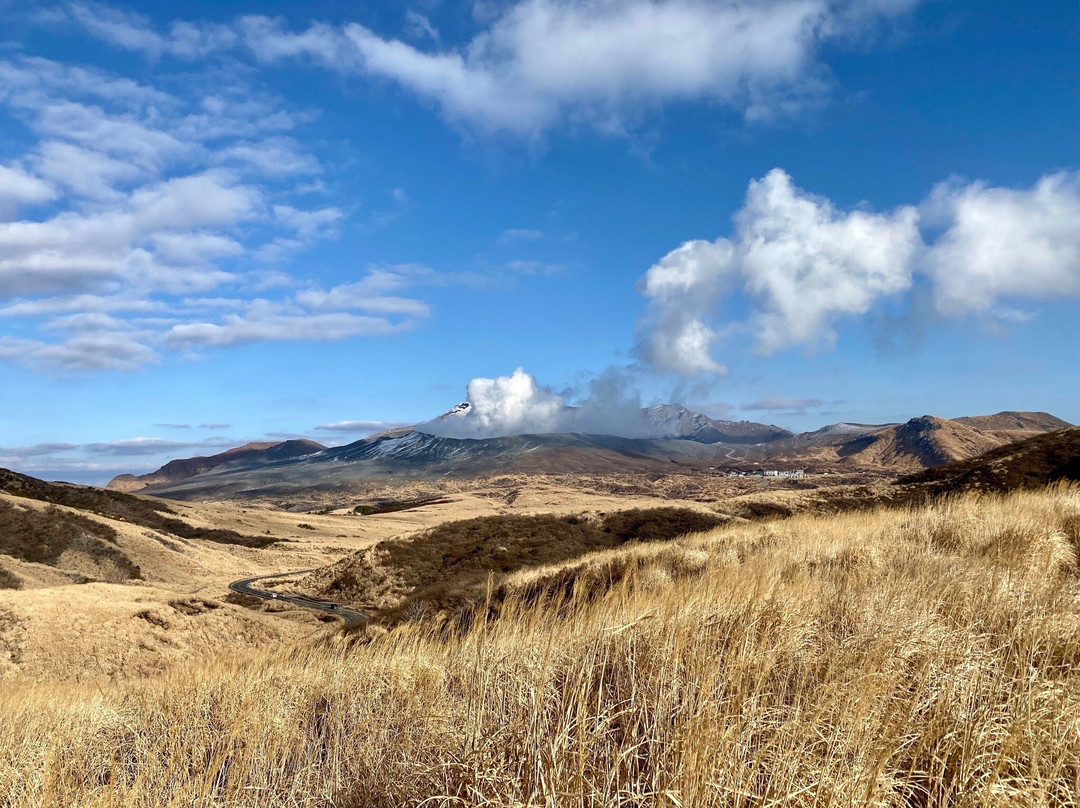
(1015, 426)
(1031, 463)
(929, 441)
(249, 453)
(59, 533)
(922, 442)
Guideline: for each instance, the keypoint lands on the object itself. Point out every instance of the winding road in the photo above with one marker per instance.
(244, 587)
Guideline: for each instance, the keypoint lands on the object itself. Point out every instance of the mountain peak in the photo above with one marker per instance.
(184, 468)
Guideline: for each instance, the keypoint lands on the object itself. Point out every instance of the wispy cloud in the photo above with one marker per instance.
(364, 427)
(520, 234)
(139, 220)
(781, 404)
(537, 64)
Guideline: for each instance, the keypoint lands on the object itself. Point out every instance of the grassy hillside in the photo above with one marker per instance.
(1029, 463)
(453, 563)
(45, 536)
(119, 506)
(883, 657)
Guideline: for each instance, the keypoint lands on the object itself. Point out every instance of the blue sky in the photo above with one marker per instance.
(251, 221)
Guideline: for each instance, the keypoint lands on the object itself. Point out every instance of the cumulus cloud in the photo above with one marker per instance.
(1001, 243)
(802, 265)
(683, 287)
(519, 405)
(507, 405)
(801, 262)
(541, 61)
(805, 263)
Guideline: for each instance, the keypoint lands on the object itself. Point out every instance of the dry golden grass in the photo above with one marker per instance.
(894, 657)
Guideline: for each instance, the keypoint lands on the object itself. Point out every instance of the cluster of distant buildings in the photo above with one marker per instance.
(769, 473)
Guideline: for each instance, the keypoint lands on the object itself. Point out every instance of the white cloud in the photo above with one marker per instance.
(268, 321)
(74, 252)
(417, 26)
(683, 287)
(185, 40)
(18, 188)
(84, 172)
(308, 223)
(1005, 243)
(358, 296)
(372, 292)
(507, 405)
(363, 427)
(89, 351)
(520, 234)
(269, 42)
(150, 446)
(272, 157)
(802, 265)
(543, 61)
(806, 263)
(152, 196)
(775, 403)
(801, 262)
(539, 63)
(518, 405)
(77, 303)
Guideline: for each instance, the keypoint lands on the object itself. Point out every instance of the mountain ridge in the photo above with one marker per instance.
(185, 468)
(891, 449)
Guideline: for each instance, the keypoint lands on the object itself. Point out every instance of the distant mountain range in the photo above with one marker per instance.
(242, 456)
(688, 440)
(676, 421)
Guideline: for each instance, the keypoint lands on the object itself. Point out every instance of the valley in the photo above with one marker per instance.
(103, 585)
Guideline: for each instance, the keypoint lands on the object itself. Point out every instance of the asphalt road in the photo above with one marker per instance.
(244, 587)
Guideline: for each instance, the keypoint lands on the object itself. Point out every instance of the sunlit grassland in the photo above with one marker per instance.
(893, 657)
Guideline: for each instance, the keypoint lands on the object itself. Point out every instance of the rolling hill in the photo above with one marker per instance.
(1029, 463)
(248, 454)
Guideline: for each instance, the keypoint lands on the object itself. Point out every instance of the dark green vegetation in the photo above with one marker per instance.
(1028, 463)
(122, 507)
(43, 536)
(394, 506)
(451, 563)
